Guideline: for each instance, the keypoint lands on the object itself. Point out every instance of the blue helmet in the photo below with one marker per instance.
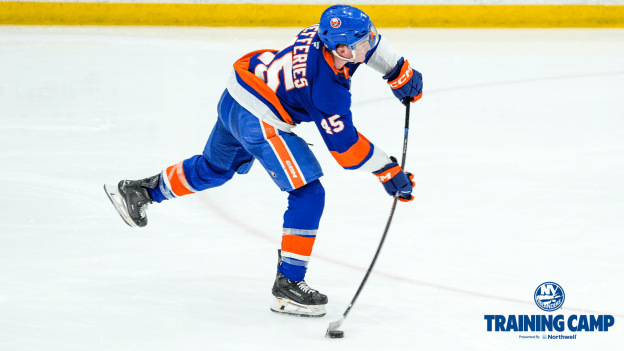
(346, 25)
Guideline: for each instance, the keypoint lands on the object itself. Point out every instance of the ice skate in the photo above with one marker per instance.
(131, 198)
(296, 298)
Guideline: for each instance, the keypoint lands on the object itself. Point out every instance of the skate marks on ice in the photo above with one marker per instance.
(223, 214)
(72, 243)
(41, 190)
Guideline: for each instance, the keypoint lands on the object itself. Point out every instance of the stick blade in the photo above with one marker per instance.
(334, 325)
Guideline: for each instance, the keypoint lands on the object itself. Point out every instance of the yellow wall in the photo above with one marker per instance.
(240, 15)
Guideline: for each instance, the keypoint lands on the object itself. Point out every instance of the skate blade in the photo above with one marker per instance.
(288, 307)
(113, 195)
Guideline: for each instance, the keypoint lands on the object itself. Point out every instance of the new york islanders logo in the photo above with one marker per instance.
(549, 296)
(335, 22)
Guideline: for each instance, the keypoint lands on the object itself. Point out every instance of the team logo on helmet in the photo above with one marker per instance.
(335, 22)
(549, 296)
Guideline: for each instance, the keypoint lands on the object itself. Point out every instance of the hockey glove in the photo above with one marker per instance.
(406, 83)
(395, 180)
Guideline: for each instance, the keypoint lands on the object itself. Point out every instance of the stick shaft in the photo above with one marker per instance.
(394, 202)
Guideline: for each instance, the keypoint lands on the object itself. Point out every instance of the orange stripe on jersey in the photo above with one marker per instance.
(356, 153)
(241, 66)
(177, 180)
(284, 156)
(299, 245)
(329, 58)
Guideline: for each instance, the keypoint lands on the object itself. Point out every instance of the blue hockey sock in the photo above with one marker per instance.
(301, 222)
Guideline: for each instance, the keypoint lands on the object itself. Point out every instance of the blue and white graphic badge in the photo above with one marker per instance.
(549, 296)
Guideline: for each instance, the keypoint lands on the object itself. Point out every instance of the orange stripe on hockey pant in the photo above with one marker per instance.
(287, 162)
(177, 180)
(356, 153)
(299, 245)
(242, 68)
(283, 155)
(269, 130)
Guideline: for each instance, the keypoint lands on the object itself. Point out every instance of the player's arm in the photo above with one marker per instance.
(348, 147)
(353, 151)
(405, 82)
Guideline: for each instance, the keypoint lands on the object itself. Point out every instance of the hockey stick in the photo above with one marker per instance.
(335, 325)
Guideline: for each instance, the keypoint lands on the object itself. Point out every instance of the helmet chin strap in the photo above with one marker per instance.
(352, 59)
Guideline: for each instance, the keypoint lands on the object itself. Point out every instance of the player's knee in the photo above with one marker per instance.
(203, 174)
(316, 194)
(305, 206)
(309, 200)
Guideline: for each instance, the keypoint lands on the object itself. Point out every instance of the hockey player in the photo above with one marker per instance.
(268, 93)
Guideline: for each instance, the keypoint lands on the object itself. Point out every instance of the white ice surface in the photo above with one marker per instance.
(517, 147)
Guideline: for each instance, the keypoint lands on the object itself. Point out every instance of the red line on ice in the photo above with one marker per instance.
(276, 239)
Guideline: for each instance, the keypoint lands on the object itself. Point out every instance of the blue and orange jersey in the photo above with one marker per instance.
(300, 84)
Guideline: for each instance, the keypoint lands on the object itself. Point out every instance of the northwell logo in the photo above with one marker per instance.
(549, 297)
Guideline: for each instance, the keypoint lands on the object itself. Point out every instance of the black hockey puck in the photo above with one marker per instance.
(336, 334)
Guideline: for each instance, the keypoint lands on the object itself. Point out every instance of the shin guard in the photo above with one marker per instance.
(301, 222)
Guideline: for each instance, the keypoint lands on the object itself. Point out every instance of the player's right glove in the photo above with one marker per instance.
(395, 180)
(406, 83)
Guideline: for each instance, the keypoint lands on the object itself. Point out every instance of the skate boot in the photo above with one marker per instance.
(130, 198)
(297, 298)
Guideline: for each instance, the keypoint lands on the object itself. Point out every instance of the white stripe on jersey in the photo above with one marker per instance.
(255, 105)
(378, 160)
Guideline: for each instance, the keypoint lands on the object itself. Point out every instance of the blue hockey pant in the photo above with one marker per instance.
(237, 139)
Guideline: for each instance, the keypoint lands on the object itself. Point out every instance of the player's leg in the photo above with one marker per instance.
(301, 222)
(223, 156)
(293, 167)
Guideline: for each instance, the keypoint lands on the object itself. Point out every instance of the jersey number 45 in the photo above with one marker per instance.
(338, 126)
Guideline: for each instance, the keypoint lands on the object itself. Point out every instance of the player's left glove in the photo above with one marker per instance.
(395, 180)
(406, 83)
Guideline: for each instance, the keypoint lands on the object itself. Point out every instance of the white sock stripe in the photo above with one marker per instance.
(167, 183)
(180, 172)
(295, 256)
(294, 263)
(294, 231)
(163, 186)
